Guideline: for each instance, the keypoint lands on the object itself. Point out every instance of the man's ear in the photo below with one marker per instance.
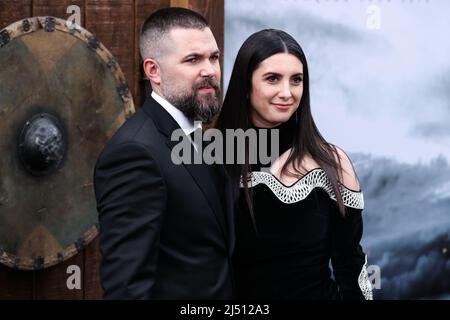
(152, 70)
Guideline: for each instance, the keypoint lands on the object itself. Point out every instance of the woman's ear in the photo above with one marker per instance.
(152, 70)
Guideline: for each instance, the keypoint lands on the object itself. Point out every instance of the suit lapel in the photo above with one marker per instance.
(199, 172)
(202, 176)
(229, 205)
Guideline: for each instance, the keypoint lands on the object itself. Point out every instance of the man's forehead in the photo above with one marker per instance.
(195, 40)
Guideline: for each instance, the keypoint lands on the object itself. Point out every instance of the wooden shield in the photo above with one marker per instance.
(62, 96)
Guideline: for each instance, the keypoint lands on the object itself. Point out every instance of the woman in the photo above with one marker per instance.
(306, 211)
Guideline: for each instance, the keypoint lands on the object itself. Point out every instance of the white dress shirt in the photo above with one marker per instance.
(186, 124)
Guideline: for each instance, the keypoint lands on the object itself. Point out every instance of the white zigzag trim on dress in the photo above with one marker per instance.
(303, 187)
(364, 282)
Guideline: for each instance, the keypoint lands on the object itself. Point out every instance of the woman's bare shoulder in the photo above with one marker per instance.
(347, 174)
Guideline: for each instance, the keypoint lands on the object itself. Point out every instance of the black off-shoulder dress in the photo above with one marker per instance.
(299, 231)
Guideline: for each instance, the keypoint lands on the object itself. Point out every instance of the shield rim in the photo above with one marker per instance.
(33, 24)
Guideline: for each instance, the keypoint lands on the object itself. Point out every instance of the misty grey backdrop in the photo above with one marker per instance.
(380, 89)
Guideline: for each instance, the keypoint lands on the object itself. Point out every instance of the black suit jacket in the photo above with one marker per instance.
(166, 230)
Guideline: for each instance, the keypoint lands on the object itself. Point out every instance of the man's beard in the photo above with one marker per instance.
(198, 108)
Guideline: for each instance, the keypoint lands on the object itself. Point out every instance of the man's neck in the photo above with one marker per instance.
(186, 124)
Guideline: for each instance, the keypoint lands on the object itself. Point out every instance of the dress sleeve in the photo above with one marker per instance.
(347, 257)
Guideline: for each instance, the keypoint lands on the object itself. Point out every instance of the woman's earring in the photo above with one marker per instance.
(296, 116)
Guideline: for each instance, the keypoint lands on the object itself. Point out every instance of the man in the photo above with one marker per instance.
(166, 230)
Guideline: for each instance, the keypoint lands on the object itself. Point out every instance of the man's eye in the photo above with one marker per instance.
(215, 58)
(192, 60)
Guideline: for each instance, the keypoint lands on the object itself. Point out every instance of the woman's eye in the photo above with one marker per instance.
(272, 78)
(297, 80)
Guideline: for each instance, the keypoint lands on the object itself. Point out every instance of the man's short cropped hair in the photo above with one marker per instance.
(153, 37)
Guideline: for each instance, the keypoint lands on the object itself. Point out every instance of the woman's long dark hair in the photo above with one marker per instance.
(236, 108)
